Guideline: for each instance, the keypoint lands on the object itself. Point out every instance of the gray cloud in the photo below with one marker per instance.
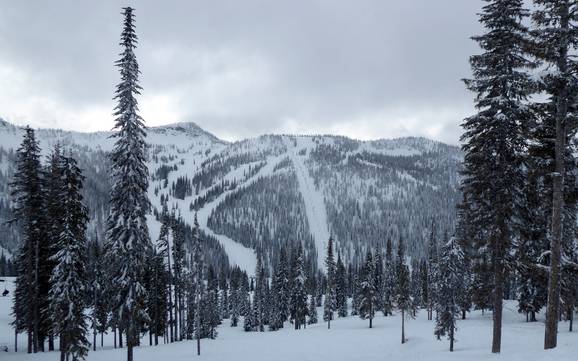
(365, 68)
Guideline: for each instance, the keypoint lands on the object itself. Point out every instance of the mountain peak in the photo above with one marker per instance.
(189, 128)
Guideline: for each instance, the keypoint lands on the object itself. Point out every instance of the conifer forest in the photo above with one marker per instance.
(413, 193)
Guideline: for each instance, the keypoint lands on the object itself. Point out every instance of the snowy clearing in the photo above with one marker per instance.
(349, 339)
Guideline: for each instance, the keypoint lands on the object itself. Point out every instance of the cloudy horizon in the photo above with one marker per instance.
(240, 70)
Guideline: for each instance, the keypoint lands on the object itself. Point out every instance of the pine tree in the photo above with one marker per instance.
(330, 301)
(259, 300)
(341, 288)
(127, 234)
(197, 267)
(368, 299)
(450, 285)
(26, 192)
(415, 287)
(312, 311)
(69, 279)
(389, 281)
(432, 272)
(235, 299)
(54, 186)
(178, 257)
(495, 138)
(298, 300)
(556, 39)
(403, 297)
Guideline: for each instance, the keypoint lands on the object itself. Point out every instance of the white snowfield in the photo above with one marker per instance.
(312, 197)
(349, 339)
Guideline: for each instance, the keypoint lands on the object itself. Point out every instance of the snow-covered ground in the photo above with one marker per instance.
(349, 339)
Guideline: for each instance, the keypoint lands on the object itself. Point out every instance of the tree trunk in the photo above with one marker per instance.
(120, 337)
(551, 329)
(452, 339)
(402, 327)
(114, 334)
(51, 342)
(463, 314)
(498, 297)
(370, 322)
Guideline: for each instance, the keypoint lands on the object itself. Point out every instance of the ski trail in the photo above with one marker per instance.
(314, 202)
(238, 254)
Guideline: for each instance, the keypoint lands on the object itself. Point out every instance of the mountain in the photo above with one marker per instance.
(261, 193)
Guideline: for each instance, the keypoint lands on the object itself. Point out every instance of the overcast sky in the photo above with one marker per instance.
(241, 68)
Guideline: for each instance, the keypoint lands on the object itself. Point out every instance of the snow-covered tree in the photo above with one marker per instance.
(298, 300)
(432, 266)
(404, 301)
(368, 297)
(28, 205)
(389, 281)
(494, 138)
(127, 234)
(69, 279)
(341, 287)
(450, 286)
(330, 300)
(556, 42)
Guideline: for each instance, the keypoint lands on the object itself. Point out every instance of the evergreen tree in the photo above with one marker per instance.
(556, 40)
(341, 288)
(259, 296)
(330, 301)
(450, 285)
(368, 298)
(495, 138)
(26, 192)
(235, 299)
(54, 187)
(69, 279)
(178, 280)
(298, 299)
(312, 312)
(403, 296)
(389, 281)
(127, 234)
(432, 271)
(197, 268)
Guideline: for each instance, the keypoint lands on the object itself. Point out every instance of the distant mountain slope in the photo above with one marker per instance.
(260, 193)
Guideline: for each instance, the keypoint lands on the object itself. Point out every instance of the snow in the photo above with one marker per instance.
(348, 339)
(313, 199)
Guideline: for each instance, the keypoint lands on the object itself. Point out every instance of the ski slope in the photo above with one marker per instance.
(312, 197)
(348, 339)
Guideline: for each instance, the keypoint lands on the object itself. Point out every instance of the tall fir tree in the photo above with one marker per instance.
(298, 300)
(127, 234)
(330, 301)
(450, 285)
(556, 40)
(341, 287)
(28, 204)
(432, 266)
(494, 139)
(404, 301)
(368, 296)
(389, 281)
(69, 278)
